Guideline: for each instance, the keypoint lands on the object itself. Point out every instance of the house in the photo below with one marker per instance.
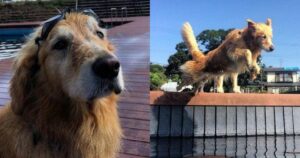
(283, 79)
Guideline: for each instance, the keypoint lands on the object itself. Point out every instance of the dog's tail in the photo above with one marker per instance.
(190, 41)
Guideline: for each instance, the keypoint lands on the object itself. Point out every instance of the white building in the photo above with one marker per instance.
(282, 79)
(172, 87)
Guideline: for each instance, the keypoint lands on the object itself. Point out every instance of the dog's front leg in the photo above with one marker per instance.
(237, 54)
(234, 80)
(201, 86)
(197, 87)
(219, 82)
(248, 56)
(255, 71)
(256, 68)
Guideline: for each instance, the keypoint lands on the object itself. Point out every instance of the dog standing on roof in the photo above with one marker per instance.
(237, 53)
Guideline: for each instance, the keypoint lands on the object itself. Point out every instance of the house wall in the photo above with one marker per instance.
(274, 90)
(271, 77)
(295, 77)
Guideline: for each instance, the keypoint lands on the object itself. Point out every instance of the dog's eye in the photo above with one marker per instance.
(264, 36)
(100, 34)
(61, 44)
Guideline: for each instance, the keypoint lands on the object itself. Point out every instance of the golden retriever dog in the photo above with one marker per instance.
(237, 53)
(64, 93)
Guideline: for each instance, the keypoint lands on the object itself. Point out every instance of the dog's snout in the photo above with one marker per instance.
(106, 67)
(271, 48)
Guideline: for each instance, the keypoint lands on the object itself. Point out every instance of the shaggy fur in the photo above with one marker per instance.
(237, 53)
(61, 109)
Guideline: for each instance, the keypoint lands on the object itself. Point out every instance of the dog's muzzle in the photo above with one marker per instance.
(108, 68)
(271, 48)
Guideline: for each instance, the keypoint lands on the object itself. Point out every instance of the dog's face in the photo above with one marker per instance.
(262, 34)
(78, 58)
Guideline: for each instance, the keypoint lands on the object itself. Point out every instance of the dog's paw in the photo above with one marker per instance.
(236, 89)
(249, 64)
(256, 69)
(253, 76)
(254, 72)
(220, 90)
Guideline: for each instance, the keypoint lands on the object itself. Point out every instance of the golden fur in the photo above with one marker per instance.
(237, 53)
(46, 118)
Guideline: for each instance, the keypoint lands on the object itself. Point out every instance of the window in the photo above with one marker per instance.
(283, 77)
(288, 77)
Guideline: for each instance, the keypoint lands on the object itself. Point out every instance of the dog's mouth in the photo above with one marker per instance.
(268, 49)
(105, 88)
(93, 86)
(115, 87)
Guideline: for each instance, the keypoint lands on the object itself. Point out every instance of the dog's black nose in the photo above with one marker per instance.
(106, 67)
(271, 48)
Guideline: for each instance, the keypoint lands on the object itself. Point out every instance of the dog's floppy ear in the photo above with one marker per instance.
(269, 22)
(25, 67)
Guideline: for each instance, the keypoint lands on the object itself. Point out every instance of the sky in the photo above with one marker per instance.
(167, 17)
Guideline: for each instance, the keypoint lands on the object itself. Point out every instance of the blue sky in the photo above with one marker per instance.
(167, 17)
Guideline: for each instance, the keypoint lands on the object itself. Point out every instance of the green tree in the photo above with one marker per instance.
(175, 61)
(211, 39)
(156, 68)
(157, 76)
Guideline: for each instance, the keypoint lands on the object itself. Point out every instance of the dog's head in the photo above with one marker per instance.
(262, 34)
(72, 55)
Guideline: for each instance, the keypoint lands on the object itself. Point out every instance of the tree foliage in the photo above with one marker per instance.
(175, 61)
(156, 68)
(157, 76)
(211, 39)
